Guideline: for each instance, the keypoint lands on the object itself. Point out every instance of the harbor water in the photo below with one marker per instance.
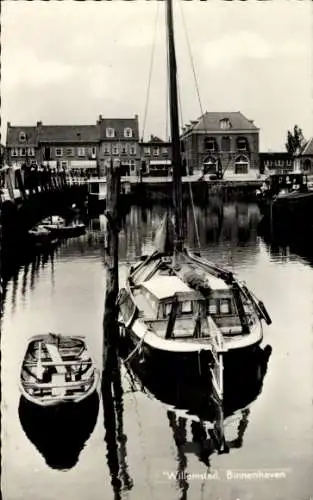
(143, 444)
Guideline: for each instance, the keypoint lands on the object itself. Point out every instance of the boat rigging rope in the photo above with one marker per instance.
(137, 348)
(150, 71)
(189, 183)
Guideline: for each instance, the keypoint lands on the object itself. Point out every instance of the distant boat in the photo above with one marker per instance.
(40, 235)
(58, 227)
(286, 199)
(57, 369)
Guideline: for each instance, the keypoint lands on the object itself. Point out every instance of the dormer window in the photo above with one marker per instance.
(156, 151)
(225, 123)
(128, 132)
(22, 137)
(110, 132)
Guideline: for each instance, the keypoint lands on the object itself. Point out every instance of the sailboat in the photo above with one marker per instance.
(182, 312)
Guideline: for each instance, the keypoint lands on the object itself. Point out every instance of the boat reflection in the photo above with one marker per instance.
(191, 410)
(115, 437)
(59, 433)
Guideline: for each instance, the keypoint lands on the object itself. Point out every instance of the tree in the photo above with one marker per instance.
(295, 140)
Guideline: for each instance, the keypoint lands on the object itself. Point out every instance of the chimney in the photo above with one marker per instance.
(39, 124)
(8, 124)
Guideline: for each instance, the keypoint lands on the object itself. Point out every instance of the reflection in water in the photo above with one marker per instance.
(213, 428)
(115, 438)
(59, 432)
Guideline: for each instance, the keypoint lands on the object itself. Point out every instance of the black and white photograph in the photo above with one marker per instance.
(156, 230)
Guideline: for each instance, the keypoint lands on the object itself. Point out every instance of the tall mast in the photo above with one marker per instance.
(176, 155)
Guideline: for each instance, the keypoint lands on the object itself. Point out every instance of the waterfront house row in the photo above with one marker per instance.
(80, 149)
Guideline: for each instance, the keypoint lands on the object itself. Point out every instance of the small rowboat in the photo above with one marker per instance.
(57, 369)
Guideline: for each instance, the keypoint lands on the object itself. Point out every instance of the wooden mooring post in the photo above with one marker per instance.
(110, 317)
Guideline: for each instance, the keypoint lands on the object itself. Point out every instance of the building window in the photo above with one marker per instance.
(64, 164)
(132, 167)
(226, 144)
(106, 149)
(69, 151)
(22, 152)
(110, 132)
(124, 149)
(58, 151)
(128, 132)
(156, 151)
(93, 150)
(242, 144)
(307, 165)
(132, 150)
(164, 151)
(115, 150)
(14, 152)
(241, 165)
(225, 123)
(22, 137)
(31, 151)
(81, 151)
(147, 151)
(210, 144)
(210, 165)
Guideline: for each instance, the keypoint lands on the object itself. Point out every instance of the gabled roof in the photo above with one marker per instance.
(13, 134)
(308, 148)
(68, 133)
(211, 120)
(119, 125)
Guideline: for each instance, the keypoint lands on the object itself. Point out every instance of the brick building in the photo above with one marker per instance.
(275, 162)
(306, 157)
(226, 142)
(156, 156)
(119, 139)
(80, 149)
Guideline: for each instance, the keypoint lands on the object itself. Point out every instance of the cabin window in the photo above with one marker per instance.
(186, 307)
(212, 307)
(225, 306)
(167, 310)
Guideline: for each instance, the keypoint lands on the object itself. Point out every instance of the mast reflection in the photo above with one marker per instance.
(199, 425)
(115, 437)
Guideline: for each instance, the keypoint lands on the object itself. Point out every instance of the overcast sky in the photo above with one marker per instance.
(67, 62)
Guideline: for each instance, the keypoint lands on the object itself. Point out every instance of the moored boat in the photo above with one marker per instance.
(40, 235)
(58, 227)
(180, 310)
(57, 369)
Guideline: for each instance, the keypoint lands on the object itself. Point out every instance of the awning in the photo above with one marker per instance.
(82, 164)
(160, 162)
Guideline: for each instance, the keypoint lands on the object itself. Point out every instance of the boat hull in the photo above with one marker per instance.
(192, 365)
(63, 363)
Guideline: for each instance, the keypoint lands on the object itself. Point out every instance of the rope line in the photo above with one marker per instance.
(189, 182)
(150, 71)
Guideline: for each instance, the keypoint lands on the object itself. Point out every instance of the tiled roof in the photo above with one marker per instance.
(211, 121)
(308, 148)
(13, 134)
(119, 124)
(68, 133)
